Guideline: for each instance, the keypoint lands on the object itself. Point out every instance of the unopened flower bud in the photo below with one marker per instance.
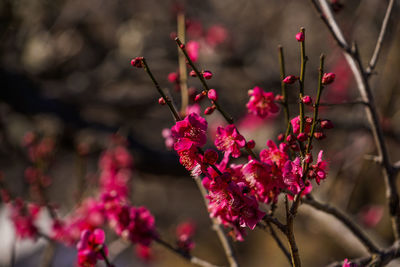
(328, 78)
(210, 156)
(137, 62)
(308, 158)
(281, 137)
(173, 35)
(192, 73)
(302, 137)
(251, 144)
(290, 138)
(207, 74)
(300, 36)
(209, 110)
(326, 124)
(161, 101)
(309, 120)
(198, 97)
(212, 95)
(307, 100)
(279, 98)
(319, 135)
(290, 79)
(182, 46)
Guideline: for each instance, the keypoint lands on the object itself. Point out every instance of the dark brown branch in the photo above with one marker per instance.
(361, 236)
(365, 91)
(279, 242)
(380, 259)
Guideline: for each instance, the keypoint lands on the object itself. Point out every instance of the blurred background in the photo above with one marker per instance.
(65, 74)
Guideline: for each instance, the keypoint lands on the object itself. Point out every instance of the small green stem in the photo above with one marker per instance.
(316, 105)
(301, 80)
(182, 65)
(283, 90)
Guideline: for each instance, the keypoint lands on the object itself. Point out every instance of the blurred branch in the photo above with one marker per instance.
(186, 256)
(361, 77)
(380, 259)
(182, 65)
(351, 103)
(372, 248)
(374, 58)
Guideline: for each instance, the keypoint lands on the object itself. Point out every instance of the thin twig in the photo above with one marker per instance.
(361, 78)
(303, 62)
(316, 107)
(269, 219)
(283, 90)
(375, 55)
(182, 65)
(227, 117)
(279, 242)
(161, 92)
(186, 256)
(361, 236)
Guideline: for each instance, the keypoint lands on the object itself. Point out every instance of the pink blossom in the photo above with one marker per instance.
(229, 140)
(290, 79)
(230, 203)
(24, 217)
(169, 141)
(216, 35)
(319, 170)
(300, 36)
(144, 252)
(292, 176)
(90, 246)
(190, 130)
(192, 48)
(173, 77)
(184, 234)
(295, 122)
(328, 78)
(261, 103)
(212, 95)
(274, 154)
(207, 74)
(134, 224)
(260, 179)
(347, 263)
(371, 215)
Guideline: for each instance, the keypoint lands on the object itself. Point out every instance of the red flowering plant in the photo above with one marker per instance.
(242, 182)
(235, 192)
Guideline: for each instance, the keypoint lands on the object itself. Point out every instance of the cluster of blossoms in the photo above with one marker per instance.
(110, 207)
(184, 236)
(23, 217)
(235, 191)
